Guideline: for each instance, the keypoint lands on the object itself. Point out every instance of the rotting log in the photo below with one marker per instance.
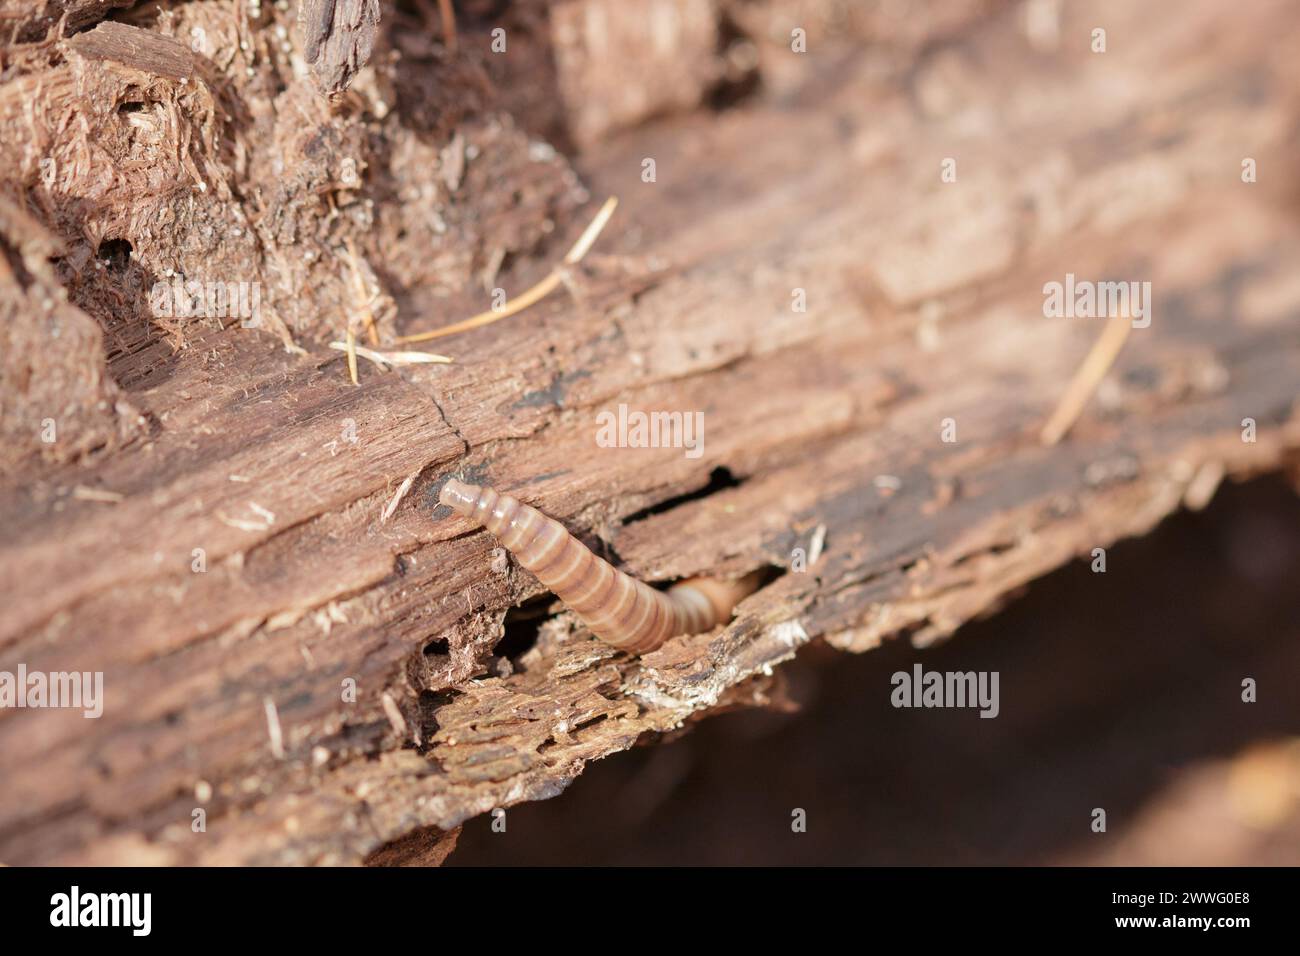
(924, 304)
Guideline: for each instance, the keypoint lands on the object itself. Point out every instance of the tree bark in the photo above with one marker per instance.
(215, 528)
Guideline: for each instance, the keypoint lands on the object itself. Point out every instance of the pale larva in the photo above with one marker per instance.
(617, 608)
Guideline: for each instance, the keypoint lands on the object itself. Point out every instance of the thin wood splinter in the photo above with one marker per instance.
(1081, 388)
(554, 279)
(616, 607)
(350, 345)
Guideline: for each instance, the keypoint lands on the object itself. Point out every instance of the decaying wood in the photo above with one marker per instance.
(137, 49)
(338, 36)
(36, 19)
(924, 303)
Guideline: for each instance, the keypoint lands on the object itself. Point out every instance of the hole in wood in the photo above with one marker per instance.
(740, 77)
(438, 647)
(720, 479)
(522, 625)
(115, 253)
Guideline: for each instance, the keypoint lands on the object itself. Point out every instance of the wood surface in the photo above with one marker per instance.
(924, 303)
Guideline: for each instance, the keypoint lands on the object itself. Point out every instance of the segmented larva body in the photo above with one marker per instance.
(617, 608)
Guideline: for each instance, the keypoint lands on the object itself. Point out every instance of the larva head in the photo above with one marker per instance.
(459, 497)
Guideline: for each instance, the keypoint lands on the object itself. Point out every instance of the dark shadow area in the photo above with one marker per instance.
(1111, 686)
(720, 479)
(522, 625)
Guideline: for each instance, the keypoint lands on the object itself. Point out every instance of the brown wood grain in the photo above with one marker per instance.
(924, 304)
(136, 48)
